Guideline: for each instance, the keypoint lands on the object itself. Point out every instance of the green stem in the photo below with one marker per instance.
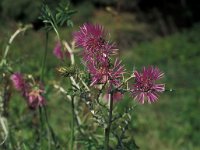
(41, 80)
(56, 31)
(44, 58)
(41, 129)
(107, 129)
(50, 129)
(73, 116)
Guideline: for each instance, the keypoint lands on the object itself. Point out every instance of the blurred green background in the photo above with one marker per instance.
(148, 32)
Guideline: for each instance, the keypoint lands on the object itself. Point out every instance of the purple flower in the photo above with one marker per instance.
(145, 84)
(35, 98)
(57, 51)
(92, 38)
(115, 73)
(99, 74)
(32, 93)
(105, 74)
(18, 81)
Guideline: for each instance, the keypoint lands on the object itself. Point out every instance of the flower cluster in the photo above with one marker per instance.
(97, 52)
(32, 93)
(96, 55)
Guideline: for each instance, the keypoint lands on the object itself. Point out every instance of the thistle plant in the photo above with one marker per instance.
(99, 88)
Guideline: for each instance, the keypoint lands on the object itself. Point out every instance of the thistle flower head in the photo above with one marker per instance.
(115, 73)
(18, 81)
(90, 36)
(35, 98)
(57, 51)
(145, 84)
(99, 74)
(106, 74)
(100, 56)
(93, 39)
(32, 93)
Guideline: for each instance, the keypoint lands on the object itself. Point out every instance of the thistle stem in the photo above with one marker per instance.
(73, 116)
(41, 129)
(107, 129)
(50, 129)
(41, 80)
(45, 57)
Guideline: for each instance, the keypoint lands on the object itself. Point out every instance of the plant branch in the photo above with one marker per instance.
(107, 129)
(73, 116)
(11, 40)
(44, 58)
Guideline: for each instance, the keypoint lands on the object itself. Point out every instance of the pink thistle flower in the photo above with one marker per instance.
(117, 96)
(35, 98)
(57, 51)
(92, 38)
(18, 81)
(104, 74)
(115, 74)
(99, 56)
(145, 85)
(99, 75)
